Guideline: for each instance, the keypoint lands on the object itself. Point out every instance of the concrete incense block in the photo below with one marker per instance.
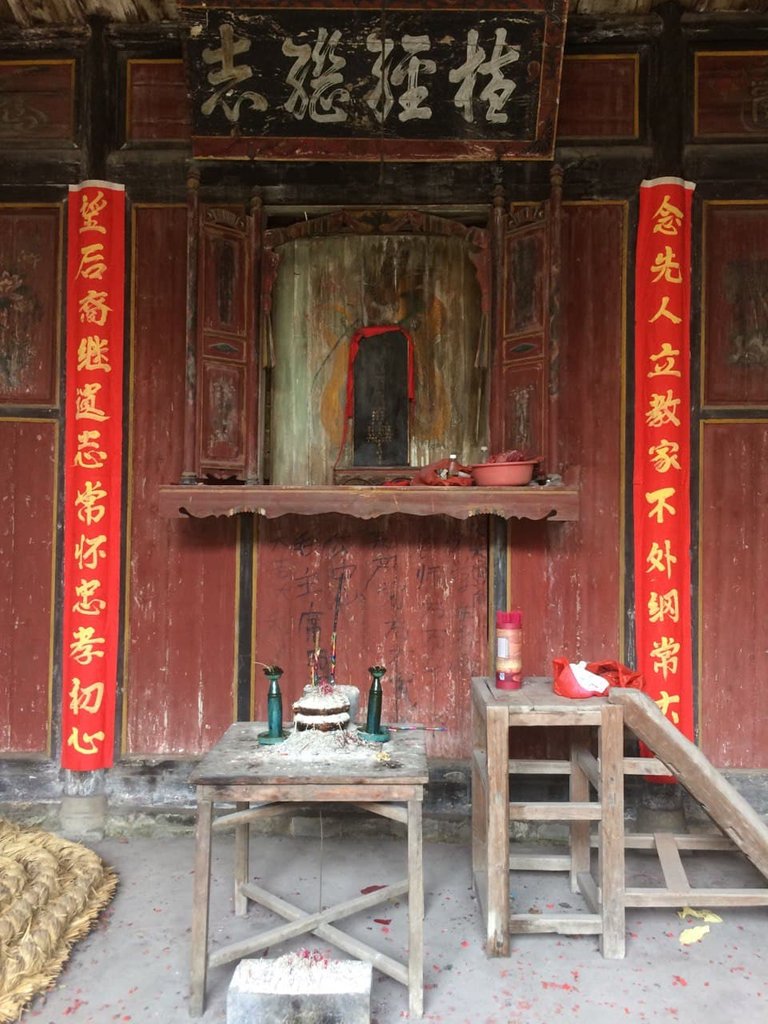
(352, 693)
(300, 989)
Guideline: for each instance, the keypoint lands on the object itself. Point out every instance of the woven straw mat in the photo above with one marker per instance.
(51, 892)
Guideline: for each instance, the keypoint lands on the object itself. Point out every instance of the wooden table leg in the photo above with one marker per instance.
(611, 849)
(498, 832)
(415, 911)
(479, 806)
(200, 907)
(578, 792)
(241, 874)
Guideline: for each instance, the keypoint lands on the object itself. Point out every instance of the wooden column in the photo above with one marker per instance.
(554, 457)
(498, 215)
(189, 473)
(253, 415)
(668, 80)
(97, 114)
(498, 529)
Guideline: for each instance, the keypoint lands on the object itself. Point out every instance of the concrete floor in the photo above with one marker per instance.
(134, 966)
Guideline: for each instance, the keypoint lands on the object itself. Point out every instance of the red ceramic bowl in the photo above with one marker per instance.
(503, 474)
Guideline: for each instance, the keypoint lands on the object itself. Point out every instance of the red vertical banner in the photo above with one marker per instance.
(662, 459)
(93, 469)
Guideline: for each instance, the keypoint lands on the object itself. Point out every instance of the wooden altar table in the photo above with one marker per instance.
(262, 780)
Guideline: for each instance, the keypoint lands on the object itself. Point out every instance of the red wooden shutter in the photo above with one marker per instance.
(226, 345)
(520, 382)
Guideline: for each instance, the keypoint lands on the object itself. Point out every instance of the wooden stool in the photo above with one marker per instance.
(493, 712)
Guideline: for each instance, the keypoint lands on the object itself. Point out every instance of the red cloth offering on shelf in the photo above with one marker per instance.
(571, 681)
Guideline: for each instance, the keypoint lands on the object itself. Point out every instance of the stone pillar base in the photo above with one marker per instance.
(83, 817)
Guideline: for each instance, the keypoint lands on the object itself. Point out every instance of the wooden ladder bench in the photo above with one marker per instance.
(606, 896)
(741, 827)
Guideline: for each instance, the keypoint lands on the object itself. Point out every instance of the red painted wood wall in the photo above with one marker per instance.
(415, 591)
(733, 465)
(27, 550)
(734, 561)
(181, 606)
(567, 577)
(30, 312)
(413, 599)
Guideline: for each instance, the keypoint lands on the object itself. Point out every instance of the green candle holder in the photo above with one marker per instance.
(274, 733)
(374, 731)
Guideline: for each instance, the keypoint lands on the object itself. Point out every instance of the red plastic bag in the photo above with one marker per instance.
(617, 674)
(566, 683)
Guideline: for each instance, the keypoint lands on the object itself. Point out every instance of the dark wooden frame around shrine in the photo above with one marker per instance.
(526, 353)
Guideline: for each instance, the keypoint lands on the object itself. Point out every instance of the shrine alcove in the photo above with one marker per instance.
(329, 287)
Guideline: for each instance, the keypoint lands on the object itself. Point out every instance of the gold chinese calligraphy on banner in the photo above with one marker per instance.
(93, 470)
(661, 477)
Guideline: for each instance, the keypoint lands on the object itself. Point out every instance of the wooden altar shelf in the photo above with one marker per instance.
(560, 504)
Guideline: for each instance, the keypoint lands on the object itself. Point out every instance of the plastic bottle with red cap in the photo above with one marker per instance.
(509, 650)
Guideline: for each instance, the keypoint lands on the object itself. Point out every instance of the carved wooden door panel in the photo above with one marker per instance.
(225, 344)
(521, 365)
